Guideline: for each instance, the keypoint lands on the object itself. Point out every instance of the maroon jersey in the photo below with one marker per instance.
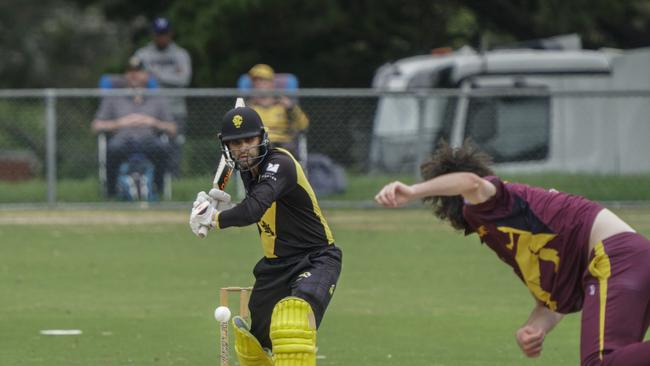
(543, 235)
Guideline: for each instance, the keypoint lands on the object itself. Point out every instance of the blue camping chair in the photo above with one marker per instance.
(113, 81)
(284, 81)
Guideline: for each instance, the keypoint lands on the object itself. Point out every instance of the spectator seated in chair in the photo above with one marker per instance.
(285, 121)
(138, 129)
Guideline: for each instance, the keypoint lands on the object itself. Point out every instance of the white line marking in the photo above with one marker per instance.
(60, 332)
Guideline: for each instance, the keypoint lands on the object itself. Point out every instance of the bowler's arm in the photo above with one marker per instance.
(473, 188)
(530, 337)
(543, 318)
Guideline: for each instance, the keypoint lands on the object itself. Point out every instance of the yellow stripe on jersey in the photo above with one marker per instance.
(304, 183)
(601, 268)
(268, 231)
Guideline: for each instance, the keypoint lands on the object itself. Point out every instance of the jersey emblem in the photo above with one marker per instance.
(529, 252)
(273, 168)
(332, 290)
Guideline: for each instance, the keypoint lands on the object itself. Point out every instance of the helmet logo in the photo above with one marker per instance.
(237, 120)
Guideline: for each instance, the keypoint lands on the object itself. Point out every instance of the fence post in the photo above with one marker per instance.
(421, 147)
(458, 128)
(50, 143)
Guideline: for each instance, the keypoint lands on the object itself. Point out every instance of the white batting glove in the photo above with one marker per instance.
(202, 216)
(221, 198)
(200, 198)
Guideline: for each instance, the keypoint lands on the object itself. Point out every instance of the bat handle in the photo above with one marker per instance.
(203, 232)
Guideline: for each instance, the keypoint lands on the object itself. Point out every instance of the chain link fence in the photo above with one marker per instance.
(589, 143)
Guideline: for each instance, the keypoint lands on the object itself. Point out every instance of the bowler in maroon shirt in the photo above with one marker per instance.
(570, 252)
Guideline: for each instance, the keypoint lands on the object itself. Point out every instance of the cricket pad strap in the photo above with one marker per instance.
(247, 347)
(293, 333)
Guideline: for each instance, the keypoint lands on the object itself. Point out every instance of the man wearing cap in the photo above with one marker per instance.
(169, 63)
(134, 123)
(283, 118)
(296, 278)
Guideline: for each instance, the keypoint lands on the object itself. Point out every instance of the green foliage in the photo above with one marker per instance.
(53, 43)
(22, 125)
(77, 145)
(601, 23)
(326, 43)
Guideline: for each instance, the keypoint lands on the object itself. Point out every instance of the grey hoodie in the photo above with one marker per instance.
(172, 68)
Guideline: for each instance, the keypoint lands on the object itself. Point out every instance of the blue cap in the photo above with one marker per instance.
(161, 25)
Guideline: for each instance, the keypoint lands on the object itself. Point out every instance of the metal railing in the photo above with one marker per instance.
(361, 132)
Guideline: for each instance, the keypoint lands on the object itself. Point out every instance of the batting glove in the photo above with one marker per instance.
(202, 216)
(200, 198)
(221, 198)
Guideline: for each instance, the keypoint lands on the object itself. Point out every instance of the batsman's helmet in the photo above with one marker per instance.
(241, 123)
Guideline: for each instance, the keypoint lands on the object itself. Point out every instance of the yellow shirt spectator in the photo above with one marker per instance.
(282, 117)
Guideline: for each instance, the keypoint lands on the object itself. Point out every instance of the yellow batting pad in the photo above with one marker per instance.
(293, 333)
(248, 348)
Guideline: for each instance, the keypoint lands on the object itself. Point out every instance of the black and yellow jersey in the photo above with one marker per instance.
(284, 206)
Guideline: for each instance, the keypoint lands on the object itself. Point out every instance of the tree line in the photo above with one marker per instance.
(327, 43)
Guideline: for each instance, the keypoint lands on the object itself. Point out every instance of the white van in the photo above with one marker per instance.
(531, 109)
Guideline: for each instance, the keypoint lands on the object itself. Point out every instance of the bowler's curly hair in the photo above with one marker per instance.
(446, 159)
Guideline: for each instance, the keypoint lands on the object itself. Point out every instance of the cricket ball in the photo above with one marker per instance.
(222, 314)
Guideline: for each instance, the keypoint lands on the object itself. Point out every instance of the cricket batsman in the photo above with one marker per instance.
(296, 278)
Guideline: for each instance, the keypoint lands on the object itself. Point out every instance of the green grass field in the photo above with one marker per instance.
(360, 187)
(142, 289)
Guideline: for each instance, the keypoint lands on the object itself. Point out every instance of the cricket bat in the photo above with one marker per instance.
(224, 171)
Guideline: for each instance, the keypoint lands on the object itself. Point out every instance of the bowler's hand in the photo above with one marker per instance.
(530, 340)
(395, 194)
